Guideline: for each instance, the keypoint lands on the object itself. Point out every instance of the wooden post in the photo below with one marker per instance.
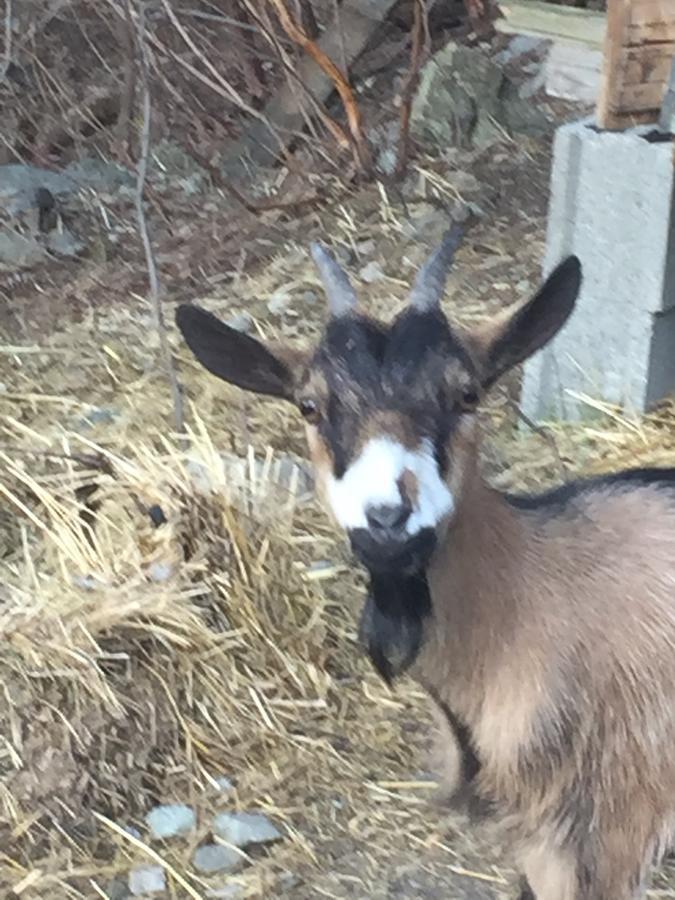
(638, 53)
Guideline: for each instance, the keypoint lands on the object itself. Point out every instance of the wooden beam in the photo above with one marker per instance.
(638, 49)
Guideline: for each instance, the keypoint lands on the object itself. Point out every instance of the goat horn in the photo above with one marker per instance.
(340, 293)
(427, 290)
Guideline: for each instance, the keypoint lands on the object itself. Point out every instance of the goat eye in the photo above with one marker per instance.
(309, 411)
(469, 400)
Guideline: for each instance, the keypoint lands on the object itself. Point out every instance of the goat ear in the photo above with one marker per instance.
(515, 335)
(235, 357)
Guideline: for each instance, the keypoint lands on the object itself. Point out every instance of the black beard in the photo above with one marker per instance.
(392, 621)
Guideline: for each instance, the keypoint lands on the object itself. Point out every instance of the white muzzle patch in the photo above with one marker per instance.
(373, 480)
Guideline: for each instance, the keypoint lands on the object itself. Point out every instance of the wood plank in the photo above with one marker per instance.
(646, 12)
(552, 22)
(650, 32)
(618, 12)
(641, 98)
(643, 65)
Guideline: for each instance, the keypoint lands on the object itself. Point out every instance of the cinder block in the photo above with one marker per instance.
(612, 203)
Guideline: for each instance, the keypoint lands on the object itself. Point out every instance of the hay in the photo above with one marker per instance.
(142, 662)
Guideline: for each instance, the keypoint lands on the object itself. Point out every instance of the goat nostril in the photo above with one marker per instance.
(388, 518)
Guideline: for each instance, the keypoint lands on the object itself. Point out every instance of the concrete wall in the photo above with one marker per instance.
(613, 204)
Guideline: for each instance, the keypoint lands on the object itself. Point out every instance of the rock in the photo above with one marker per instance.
(365, 248)
(117, 889)
(211, 858)
(521, 45)
(372, 272)
(242, 321)
(99, 175)
(63, 242)
(428, 224)
(279, 302)
(224, 783)
(309, 298)
(147, 880)
(170, 820)
(227, 892)
(19, 183)
(464, 97)
(160, 572)
(19, 251)
(96, 416)
(242, 829)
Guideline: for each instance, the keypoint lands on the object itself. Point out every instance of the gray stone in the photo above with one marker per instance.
(63, 242)
(224, 783)
(309, 298)
(279, 302)
(170, 820)
(97, 416)
(521, 45)
(20, 251)
(99, 175)
(242, 321)
(613, 205)
(147, 880)
(118, 889)
(160, 572)
(226, 892)
(211, 858)
(465, 99)
(242, 829)
(19, 183)
(371, 272)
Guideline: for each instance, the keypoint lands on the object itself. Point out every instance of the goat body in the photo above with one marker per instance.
(542, 627)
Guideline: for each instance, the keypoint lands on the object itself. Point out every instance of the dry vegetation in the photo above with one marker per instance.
(144, 661)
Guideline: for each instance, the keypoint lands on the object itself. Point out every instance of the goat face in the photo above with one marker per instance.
(388, 407)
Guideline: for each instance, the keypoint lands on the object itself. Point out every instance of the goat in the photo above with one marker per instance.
(542, 626)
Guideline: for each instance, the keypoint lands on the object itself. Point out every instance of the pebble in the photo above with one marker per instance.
(147, 880)
(227, 892)
(242, 321)
(211, 858)
(160, 571)
(242, 829)
(224, 783)
(371, 272)
(170, 820)
(278, 302)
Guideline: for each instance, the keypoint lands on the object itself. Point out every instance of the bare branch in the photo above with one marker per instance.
(153, 278)
(339, 79)
(420, 45)
(7, 60)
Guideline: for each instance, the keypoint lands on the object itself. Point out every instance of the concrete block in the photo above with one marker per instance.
(613, 204)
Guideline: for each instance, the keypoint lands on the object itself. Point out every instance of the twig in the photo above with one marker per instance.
(7, 61)
(153, 278)
(339, 79)
(544, 434)
(420, 44)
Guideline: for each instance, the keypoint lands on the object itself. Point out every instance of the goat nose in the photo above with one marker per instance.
(388, 518)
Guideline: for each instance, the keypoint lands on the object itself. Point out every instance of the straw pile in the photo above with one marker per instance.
(174, 614)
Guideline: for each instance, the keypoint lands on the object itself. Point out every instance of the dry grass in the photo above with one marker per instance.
(142, 662)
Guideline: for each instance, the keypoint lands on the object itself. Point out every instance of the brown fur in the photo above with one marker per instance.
(553, 638)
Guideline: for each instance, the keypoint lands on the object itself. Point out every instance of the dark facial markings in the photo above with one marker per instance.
(369, 368)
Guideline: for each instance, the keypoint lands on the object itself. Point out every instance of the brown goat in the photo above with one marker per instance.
(543, 626)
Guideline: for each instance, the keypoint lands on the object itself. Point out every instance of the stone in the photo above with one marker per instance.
(371, 272)
(170, 820)
(279, 302)
(243, 829)
(99, 175)
(145, 880)
(160, 572)
(465, 99)
(242, 321)
(612, 204)
(226, 892)
(224, 784)
(210, 858)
